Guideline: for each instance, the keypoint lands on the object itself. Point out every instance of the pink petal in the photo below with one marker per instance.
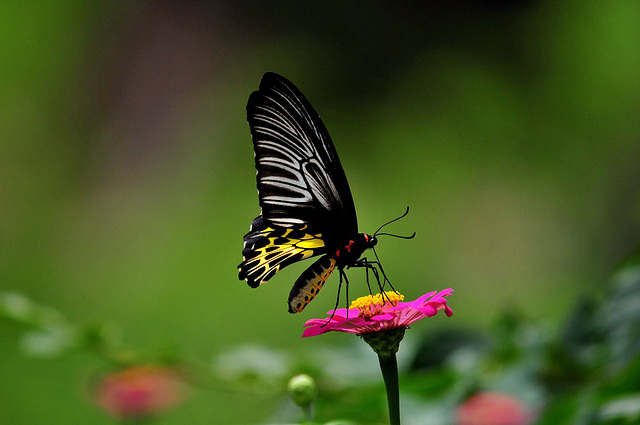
(423, 298)
(428, 310)
(341, 312)
(314, 331)
(315, 322)
(383, 317)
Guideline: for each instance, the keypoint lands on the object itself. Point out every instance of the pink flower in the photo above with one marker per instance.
(380, 312)
(491, 408)
(140, 391)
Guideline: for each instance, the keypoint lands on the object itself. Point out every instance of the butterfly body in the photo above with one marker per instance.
(306, 202)
(311, 281)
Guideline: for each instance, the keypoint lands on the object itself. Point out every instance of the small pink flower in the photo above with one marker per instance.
(380, 312)
(491, 408)
(140, 391)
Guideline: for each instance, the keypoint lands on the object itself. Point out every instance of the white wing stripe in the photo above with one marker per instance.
(299, 174)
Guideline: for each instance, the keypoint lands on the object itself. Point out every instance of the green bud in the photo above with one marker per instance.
(303, 390)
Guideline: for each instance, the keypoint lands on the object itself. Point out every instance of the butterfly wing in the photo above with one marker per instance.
(268, 249)
(300, 178)
(306, 202)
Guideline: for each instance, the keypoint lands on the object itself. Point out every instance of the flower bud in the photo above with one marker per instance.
(303, 390)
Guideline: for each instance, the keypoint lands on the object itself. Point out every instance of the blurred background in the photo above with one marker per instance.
(127, 177)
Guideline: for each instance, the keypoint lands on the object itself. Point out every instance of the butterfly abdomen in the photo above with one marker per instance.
(310, 283)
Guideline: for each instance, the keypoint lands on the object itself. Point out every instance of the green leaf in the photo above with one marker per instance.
(624, 409)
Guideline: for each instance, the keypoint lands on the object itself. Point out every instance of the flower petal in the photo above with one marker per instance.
(423, 298)
(448, 311)
(383, 317)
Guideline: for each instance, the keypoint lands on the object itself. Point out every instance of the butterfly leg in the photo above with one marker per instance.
(374, 266)
(342, 275)
(369, 265)
(386, 279)
(366, 275)
(346, 288)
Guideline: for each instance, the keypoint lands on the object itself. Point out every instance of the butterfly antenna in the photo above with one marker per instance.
(413, 235)
(377, 233)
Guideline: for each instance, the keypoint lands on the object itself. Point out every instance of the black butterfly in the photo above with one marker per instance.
(307, 208)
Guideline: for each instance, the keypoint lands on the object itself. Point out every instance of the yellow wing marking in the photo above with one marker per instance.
(277, 249)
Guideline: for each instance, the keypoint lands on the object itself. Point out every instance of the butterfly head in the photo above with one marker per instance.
(370, 241)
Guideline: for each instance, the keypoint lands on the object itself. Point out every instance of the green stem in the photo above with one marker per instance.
(308, 413)
(389, 368)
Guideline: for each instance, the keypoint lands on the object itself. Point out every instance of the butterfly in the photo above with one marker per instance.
(306, 202)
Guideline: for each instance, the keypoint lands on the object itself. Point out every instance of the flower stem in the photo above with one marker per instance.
(308, 413)
(389, 368)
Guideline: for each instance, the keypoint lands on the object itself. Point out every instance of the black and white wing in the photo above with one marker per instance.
(300, 178)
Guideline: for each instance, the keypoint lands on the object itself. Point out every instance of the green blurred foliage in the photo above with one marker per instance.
(126, 175)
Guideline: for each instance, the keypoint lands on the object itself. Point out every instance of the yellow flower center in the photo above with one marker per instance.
(374, 304)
